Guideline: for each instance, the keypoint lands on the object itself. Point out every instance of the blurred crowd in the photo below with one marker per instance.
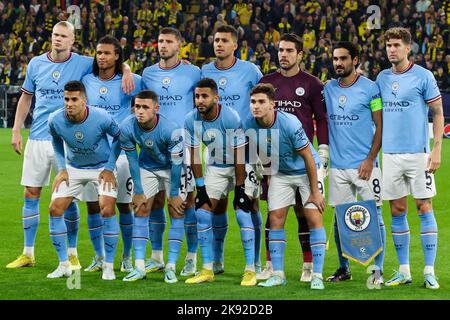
(26, 26)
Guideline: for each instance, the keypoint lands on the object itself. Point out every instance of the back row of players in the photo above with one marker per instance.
(356, 107)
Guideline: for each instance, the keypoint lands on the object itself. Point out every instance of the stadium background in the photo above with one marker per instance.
(25, 31)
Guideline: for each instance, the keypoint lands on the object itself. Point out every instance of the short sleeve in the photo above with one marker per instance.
(87, 63)
(236, 135)
(298, 136)
(430, 88)
(375, 98)
(191, 135)
(111, 126)
(29, 85)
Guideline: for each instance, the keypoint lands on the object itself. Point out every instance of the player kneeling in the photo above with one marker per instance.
(158, 168)
(297, 161)
(90, 159)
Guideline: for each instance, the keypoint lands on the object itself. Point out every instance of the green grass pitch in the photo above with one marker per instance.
(31, 283)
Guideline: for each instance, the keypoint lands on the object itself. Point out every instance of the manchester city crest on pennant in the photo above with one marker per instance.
(222, 81)
(395, 85)
(357, 218)
(79, 135)
(103, 90)
(166, 81)
(149, 143)
(300, 91)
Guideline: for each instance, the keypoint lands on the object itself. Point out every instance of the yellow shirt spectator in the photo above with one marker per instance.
(311, 6)
(273, 36)
(351, 4)
(245, 15)
(309, 39)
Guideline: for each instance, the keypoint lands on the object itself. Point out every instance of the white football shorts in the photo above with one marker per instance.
(344, 185)
(78, 180)
(405, 174)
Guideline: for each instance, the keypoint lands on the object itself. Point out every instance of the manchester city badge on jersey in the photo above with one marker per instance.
(300, 91)
(395, 85)
(359, 231)
(79, 135)
(342, 100)
(103, 90)
(148, 143)
(166, 81)
(223, 81)
(56, 75)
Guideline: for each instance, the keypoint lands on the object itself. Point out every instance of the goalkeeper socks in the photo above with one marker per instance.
(190, 228)
(220, 228)
(126, 228)
(157, 225)
(401, 236)
(277, 245)
(111, 237)
(343, 262)
(257, 224)
(58, 235)
(176, 231)
(428, 237)
(303, 237)
(72, 220)
(95, 226)
(140, 237)
(245, 222)
(379, 259)
(30, 222)
(318, 240)
(205, 236)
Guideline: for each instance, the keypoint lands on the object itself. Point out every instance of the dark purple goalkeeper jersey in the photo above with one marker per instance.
(301, 95)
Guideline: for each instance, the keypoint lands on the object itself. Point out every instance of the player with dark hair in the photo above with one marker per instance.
(300, 94)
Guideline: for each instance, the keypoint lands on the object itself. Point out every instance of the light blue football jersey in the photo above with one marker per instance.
(108, 95)
(45, 79)
(350, 123)
(234, 83)
(283, 140)
(174, 87)
(221, 135)
(156, 145)
(405, 111)
(87, 145)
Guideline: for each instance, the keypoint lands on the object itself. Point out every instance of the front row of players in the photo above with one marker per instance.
(89, 160)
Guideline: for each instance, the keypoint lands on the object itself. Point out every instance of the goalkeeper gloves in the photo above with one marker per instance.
(324, 155)
(241, 200)
(202, 196)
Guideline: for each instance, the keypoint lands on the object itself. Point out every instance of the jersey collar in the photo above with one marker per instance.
(222, 69)
(55, 61)
(410, 65)
(350, 84)
(151, 129)
(176, 65)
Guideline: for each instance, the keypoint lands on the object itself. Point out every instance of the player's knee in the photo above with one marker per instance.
(93, 207)
(424, 206)
(276, 221)
(398, 208)
(55, 209)
(32, 192)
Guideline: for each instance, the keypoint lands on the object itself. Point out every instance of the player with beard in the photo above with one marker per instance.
(300, 94)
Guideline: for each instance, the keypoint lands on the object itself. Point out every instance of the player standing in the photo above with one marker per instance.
(297, 170)
(83, 132)
(103, 90)
(174, 82)
(46, 76)
(235, 78)
(300, 94)
(408, 91)
(355, 125)
(219, 128)
(158, 168)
